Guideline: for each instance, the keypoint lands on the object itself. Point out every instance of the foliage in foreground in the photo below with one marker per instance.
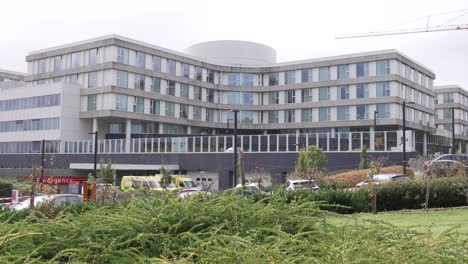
(221, 228)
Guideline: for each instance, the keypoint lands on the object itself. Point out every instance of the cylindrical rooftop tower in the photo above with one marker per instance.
(233, 52)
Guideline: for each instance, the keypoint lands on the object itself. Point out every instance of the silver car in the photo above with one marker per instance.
(55, 199)
(384, 178)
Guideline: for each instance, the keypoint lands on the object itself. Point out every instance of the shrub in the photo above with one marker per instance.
(5, 189)
(343, 202)
(445, 192)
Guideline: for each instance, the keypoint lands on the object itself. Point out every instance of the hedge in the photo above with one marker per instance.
(5, 189)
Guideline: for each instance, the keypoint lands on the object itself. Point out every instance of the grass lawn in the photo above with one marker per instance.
(435, 221)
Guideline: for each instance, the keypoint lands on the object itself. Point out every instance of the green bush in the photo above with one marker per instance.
(5, 189)
(343, 202)
(445, 192)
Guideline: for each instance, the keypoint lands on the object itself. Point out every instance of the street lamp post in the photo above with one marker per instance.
(95, 133)
(235, 145)
(404, 135)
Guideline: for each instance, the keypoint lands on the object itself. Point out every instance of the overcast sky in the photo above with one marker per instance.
(296, 29)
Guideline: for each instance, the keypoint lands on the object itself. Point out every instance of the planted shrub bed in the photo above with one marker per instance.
(221, 228)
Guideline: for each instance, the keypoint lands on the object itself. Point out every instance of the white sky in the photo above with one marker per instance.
(296, 29)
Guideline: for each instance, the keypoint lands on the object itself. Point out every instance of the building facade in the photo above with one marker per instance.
(143, 98)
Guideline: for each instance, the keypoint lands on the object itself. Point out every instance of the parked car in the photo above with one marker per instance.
(190, 191)
(294, 185)
(253, 188)
(384, 178)
(54, 199)
(449, 160)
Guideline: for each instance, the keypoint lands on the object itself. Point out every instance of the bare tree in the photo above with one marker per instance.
(375, 167)
(260, 175)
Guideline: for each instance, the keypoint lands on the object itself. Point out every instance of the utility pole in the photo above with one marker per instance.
(404, 135)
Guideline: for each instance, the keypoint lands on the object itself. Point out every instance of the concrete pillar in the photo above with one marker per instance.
(372, 139)
(128, 133)
(466, 148)
(161, 128)
(265, 132)
(189, 130)
(424, 144)
(459, 147)
(95, 125)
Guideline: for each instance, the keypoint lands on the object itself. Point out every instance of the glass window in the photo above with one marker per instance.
(306, 75)
(324, 93)
(155, 107)
(156, 85)
(383, 67)
(306, 115)
(171, 67)
(197, 94)
(210, 95)
(343, 92)
(92, 79)
(233, 79)
(247, 98)
(289, 77)
(156, 63)
(140, 59)
(246, 117)
(383, 89)
(247, 79)
(290, 116)
(211, 76)
(185, 70)
(324, 114)
(122, 55)
(58, 63)
(273, 79)
(184, 90)
(92, 102)
(197, 113)
(41, 66)
(362, 112)
(233, 98)
(384, 111)
(199, 73)
(139, 105)
(273, 98)
(122, 79)
(116, 128)
(272, 117)
(362, 69)
(139, 82)
(343, 113)
(290, 97)
(362, 91)
(210, 115)
(183, 111)
(324, 73)
(75, 60)
(306, 95)
(121, 101)
(170, 88)
(448, 98)
(93, 56)
(170, 109)
(343, 72)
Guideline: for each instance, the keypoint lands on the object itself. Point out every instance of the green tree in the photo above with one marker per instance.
(166, 178)
(363, 158)
(310, 163)
(105, 174)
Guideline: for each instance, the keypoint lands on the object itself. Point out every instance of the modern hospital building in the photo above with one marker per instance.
(154, 107)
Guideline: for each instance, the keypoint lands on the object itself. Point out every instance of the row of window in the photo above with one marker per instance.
(30, 125)
(248, 117)
(30, 102)
(142, 127)
(139, 59)
(449, 98)
(446, 113)
(29, 147)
